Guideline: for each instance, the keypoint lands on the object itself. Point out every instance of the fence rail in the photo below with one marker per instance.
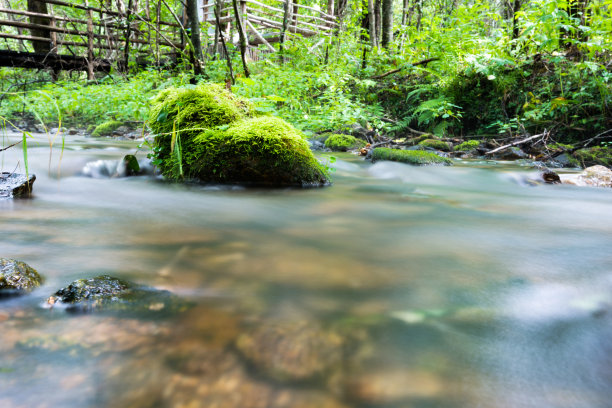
(90, 35)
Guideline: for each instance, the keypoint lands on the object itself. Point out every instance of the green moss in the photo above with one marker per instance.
(178, 115)
(415, 157)
(419, 139)
(106, 128)
(593, 155)
(262, 151)
(342, 143)
(208, 134)
(435, 144)
(467, 145)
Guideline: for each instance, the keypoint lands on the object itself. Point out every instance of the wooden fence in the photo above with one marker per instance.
(91, 35)
(87, 36)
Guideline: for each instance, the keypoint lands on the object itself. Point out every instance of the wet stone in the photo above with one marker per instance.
(17, 277)
(14, 185)
(292, 352)
(108, 293)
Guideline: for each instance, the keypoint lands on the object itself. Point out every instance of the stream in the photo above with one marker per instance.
(398, 286)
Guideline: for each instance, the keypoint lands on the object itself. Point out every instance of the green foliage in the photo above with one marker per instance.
(342, 143)
(414, 157)
(436, 144)
(79, 103)
(467, 145)
(106, 128)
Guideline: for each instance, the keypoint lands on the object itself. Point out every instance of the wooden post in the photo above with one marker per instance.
(157, 28)
(286, 19)
(39, 6)
(296, 12)
(217, 29)
(128, 32)
(90, 39)
(243, 38)
(227, 56)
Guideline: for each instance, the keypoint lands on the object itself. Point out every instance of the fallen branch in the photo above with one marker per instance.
(393, 71)
(8, 147)
(542, 135)
(589, 141)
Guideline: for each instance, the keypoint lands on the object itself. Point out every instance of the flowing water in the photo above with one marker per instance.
(398, 286)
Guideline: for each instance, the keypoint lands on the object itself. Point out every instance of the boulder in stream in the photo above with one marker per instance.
(209, 135)
(594, 176)
(109, 293)
(13, 185)
(17, 277)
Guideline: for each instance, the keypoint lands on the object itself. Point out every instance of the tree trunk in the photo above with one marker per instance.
(286, 19)
(371, 16)
(330, 7)
(387, 23)
(419, 6)
(378, 19)
(194, 27)
(38, 6)
(243, 38)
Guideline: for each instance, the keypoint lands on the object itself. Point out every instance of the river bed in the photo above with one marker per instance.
(398, 286)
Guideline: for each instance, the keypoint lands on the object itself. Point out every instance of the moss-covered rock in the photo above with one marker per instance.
(17, 277)
(262, 151)
(107, 128)
(207, 134)
(467, 146)
(108, 293)
(415, 157)
(592, 156)
(436, 144)
(342, 143)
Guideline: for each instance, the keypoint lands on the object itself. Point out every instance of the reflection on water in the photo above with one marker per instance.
(397, 287)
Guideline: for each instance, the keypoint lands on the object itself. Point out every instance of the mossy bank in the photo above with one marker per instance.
(209, 135)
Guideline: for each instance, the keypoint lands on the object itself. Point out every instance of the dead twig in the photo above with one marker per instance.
(8, 147)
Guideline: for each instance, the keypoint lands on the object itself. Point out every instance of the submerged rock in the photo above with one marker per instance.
(108, 293)
(594, 176)
(17, 277)
(294, 352)
(14, 185)
(415, 157)
(208, 135)
(391, 385)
